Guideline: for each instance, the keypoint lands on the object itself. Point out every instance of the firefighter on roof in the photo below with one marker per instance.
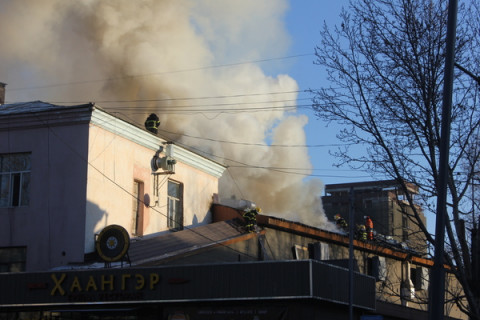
(341, 222)
(250, 217)
(369, 227)
(152, 123)
(361, 233)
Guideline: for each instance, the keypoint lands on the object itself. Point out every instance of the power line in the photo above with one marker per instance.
(276, 169)
(256, 144)
(173, 110)
(248, 166)
(162, 73)
(132, 121)
(242, 95)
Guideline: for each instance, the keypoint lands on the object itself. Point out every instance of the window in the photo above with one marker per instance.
(175, 205)
(300, 252)
(319, 251)
(13, 259)
(419, 278)
(404, 221)
(404, 228)
(368, 204)
(14, 179)
(137, 208)
(377, 267)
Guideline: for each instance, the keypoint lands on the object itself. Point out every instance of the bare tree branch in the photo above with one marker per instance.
(385, 64)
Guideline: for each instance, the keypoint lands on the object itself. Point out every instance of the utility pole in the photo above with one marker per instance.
(350, 253)
(437, 281)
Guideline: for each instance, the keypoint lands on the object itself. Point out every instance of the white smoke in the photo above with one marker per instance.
(163, 51)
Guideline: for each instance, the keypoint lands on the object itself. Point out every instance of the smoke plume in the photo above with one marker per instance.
(137, 57)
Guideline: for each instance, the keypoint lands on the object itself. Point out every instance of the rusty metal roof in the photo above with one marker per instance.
(165, 246)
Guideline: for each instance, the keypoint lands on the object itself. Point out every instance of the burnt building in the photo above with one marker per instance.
(385, 203)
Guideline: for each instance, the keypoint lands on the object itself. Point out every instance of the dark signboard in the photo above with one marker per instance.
(222, 282)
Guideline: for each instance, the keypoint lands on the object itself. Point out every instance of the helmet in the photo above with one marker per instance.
(362, 227)
(337, 217)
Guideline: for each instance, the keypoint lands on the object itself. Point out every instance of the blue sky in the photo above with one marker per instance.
(304, 21)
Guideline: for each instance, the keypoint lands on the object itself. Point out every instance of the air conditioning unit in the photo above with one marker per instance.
(166, 163)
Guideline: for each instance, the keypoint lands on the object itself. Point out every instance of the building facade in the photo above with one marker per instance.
(69, 172)
(284, 270)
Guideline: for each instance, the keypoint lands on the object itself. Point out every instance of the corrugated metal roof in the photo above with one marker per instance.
(148, 251)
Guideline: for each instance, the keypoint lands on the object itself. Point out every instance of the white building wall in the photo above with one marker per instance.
(83, 165)
(115, 162)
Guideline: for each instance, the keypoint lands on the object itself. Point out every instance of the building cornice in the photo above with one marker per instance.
(195, 160)
(131, 132)
(124, 129)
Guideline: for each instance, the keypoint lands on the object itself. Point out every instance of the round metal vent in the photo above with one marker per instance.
(112, 243)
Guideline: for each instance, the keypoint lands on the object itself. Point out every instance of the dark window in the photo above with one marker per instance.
(368, 204)
(419, 277)
(376, 267)
(404, 221)
(15, 179)
(13, 259)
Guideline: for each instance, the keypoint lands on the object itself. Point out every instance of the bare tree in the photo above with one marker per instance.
(385, 64)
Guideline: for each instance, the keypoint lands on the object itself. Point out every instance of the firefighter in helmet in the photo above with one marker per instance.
(341, 222)
(250, 217)
(361, 233)
(152, 123)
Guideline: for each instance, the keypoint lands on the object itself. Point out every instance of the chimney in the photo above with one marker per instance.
(2, 92)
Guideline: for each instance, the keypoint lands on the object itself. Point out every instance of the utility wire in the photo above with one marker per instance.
(255, 144)
(247, 166)
(276, 169)
(162, 73)
(243, 95)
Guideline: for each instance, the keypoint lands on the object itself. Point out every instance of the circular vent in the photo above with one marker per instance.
(112, 243)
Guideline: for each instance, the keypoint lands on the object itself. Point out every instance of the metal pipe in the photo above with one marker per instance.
(437, 283)
(350, 253)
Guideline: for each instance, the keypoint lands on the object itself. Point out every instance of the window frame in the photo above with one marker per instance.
(175, 213)
(137, 207)
(16, 193)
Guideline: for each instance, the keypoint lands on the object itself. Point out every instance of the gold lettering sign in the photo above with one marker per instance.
(103, 283)
(58, 284)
